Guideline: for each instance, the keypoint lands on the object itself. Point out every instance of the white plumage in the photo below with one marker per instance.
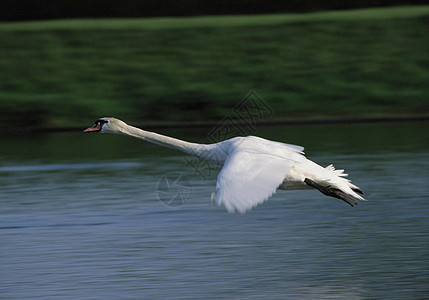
(253, 168)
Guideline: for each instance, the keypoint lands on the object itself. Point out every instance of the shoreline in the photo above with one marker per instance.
(153, 126)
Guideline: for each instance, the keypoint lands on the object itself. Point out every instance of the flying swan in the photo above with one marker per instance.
(253, 167)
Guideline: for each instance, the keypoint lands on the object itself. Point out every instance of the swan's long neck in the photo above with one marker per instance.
(162, 140)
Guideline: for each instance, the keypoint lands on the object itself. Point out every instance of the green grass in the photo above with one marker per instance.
(344, 64)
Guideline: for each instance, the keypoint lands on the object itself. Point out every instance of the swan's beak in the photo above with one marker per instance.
(95, 128)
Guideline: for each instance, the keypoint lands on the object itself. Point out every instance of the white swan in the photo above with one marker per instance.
(253, 168)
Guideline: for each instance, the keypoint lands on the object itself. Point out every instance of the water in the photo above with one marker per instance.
(80, 218)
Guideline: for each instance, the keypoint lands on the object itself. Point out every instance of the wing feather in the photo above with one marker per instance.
(248, 178)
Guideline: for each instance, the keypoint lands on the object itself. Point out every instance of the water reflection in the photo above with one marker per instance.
(79, 216)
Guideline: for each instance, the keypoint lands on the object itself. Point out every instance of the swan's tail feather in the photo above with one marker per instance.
(344, 185)
(333, 192)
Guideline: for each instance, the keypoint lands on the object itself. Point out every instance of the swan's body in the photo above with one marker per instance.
(253, 168)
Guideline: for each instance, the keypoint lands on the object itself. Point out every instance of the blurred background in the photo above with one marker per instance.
(80, 214)
(190, 64)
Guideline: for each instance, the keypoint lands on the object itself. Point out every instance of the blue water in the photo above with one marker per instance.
(81, 218)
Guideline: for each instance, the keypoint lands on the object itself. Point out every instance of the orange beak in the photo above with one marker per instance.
(95, 128)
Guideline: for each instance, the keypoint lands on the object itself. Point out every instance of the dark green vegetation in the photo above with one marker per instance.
(351, 64)
(25, 10)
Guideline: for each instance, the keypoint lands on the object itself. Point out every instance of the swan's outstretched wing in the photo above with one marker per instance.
(249, 178)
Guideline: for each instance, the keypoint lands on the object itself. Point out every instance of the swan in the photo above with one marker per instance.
(253, 167)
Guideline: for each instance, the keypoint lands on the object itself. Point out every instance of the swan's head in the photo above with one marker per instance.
(107, 125)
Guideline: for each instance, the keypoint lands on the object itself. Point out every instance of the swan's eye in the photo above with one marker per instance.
(101, 122)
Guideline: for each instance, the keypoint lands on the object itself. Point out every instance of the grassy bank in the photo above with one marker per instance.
(346, 64)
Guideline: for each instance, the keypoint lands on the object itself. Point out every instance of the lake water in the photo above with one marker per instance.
(81, 218)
